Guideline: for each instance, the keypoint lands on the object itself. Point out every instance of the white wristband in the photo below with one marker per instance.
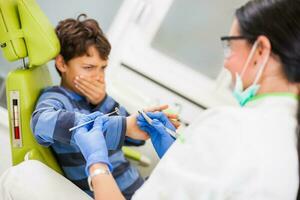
(95, 173)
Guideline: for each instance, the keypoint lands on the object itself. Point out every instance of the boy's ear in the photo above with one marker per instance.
(60, 64)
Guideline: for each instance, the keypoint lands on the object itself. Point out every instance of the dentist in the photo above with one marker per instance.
(246, 152)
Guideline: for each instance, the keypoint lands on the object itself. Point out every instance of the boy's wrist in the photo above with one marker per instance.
(132, 129)
(130, 123)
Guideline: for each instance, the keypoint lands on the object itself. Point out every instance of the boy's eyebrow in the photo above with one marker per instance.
(91, 65)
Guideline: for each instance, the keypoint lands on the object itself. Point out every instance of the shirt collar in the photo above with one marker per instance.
(73, 95)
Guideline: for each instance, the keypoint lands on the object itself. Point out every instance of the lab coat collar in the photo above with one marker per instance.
(275, 100)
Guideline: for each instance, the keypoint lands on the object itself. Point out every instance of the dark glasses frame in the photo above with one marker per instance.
(228, 38)
(239, 37)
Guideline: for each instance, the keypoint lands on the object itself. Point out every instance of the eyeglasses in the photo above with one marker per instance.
(228, 38)
(226, 43)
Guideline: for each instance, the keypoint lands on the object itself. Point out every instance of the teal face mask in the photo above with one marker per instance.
(241, 95)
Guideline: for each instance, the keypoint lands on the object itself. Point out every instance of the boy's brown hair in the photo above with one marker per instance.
(76, 36)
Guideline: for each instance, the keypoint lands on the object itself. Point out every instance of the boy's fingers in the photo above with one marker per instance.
(174, 119)
(85, 83)
(93, 96)
(156, 108)
(86, 91)
(157, 115)
(175, 123)
(89, 89)
(81, 90)
(171, 116)
(93, 84)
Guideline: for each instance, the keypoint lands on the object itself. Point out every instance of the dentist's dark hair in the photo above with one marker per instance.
(279, 21)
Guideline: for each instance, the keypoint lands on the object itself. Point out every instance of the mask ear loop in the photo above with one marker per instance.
(249, 58)
(261, 69)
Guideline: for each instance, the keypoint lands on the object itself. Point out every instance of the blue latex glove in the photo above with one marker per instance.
(91, 141)
(160, 138)
(160, 116)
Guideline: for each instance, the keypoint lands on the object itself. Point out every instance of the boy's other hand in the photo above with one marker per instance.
(133, 131)
(92, 89)
(156, 108)
(172, 117)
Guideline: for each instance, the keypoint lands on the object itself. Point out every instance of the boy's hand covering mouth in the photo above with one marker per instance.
(92, 89)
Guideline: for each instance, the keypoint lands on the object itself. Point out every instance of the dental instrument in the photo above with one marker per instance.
(117, 111)
(149, 120)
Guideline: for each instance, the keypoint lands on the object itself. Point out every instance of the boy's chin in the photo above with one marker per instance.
(78, 92)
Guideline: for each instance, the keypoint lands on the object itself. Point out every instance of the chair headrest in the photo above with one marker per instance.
(13, 46)
(26, 31)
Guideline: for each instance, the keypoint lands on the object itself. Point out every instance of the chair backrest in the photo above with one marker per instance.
(26, 31)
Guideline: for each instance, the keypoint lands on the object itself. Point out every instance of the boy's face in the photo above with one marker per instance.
(84, 75)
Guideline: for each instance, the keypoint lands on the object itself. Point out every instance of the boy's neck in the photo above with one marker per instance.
(65, 85)
(70, 90)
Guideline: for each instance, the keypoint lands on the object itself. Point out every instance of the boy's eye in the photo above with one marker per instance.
(87, 67)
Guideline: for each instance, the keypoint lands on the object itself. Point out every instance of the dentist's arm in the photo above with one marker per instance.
(104, 185)
(93, 147)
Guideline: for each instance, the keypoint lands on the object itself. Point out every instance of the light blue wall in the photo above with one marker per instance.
(191, 30)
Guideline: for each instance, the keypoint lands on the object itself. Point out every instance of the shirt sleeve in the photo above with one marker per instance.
(115, 129)
(54, 116)
(51, 120)
(114, 132)
(109, 105)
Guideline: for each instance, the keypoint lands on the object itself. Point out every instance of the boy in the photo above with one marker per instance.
(81, 65)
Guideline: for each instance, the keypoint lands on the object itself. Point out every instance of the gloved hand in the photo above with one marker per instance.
(160, 138)
(91, 141)
(162, 118)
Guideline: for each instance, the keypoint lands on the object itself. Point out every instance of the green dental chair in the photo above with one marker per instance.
(26, 32)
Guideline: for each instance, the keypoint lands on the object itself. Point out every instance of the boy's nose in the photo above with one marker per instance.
(99, 78)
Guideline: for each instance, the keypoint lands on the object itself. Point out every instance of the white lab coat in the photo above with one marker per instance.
(232, 153)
